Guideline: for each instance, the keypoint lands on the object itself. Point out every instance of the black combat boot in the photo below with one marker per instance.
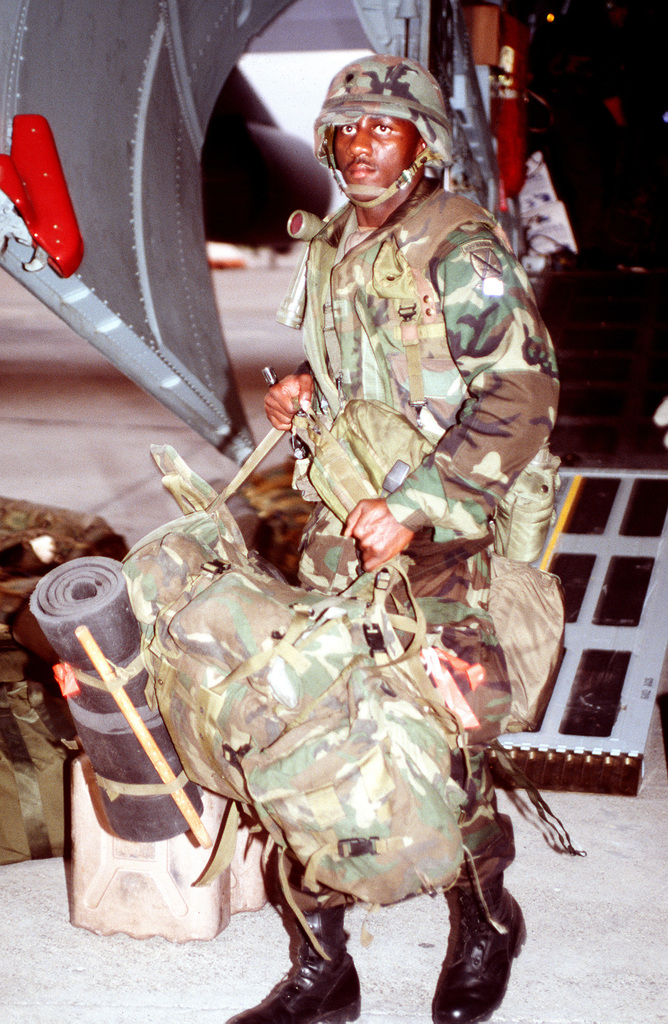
(316, 989)
(474, 978)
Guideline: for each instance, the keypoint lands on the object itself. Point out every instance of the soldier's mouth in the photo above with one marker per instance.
(359, 169)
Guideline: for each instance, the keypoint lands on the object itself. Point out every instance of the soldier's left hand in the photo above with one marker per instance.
(378, 534)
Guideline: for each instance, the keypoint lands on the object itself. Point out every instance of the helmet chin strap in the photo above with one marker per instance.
(368, 196)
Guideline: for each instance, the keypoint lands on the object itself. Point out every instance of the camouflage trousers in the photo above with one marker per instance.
(451, 585)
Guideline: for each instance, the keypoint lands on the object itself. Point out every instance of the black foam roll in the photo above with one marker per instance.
(93, 592)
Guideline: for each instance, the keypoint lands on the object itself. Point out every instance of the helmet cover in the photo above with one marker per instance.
(392, 87)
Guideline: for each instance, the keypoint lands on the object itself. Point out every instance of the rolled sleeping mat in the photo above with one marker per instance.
(92, 592)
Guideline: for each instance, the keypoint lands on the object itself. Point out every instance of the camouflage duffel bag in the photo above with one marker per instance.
(304, 707)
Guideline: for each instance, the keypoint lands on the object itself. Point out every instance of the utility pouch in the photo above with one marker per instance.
(524, 516)
(367, 452)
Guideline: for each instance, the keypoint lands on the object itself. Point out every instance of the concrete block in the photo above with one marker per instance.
(146, 889)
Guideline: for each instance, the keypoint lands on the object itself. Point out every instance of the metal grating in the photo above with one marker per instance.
(611, 558)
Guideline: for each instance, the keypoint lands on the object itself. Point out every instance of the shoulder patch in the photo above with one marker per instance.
(476, 245)
(486, 263)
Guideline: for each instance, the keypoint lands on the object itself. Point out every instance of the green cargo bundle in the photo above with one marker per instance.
(37, 735)
(33, 760)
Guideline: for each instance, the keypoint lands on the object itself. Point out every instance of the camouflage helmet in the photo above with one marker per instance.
(391, 86)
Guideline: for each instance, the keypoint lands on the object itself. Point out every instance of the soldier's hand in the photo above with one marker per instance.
(286, 398)
(378, 534)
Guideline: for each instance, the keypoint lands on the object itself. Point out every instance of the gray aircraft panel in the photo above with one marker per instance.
(128, 90)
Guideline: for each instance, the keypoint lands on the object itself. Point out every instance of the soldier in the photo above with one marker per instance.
(414, 300)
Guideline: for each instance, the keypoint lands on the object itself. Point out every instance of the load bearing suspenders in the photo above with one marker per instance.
(413, 327)
(411, 342)
(410, 339)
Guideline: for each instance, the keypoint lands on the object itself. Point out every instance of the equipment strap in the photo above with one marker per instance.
(225, 847)
(122, 676)
(380, 846)
(254, 459)
(543, 809)
(115, 789)
(283, 648)
(411, 343)
(367, 196)
(285, 886)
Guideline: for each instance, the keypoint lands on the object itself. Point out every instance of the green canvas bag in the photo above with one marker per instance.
(367, 451)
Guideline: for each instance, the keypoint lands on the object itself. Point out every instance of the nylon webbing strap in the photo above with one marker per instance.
(366, 195)
(419, 627)
(341, 680)
(332, 347)
(122, 676)
(114, 789)
(25, 775)
(257, 661)
(226, 845)
(411, 342)
(543, 809)
(332, 850)
(252, 462)
(285, 886)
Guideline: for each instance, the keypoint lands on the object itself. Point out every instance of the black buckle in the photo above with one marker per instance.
(382, 580)
(373, 635)
(356, 847)
(216, 565)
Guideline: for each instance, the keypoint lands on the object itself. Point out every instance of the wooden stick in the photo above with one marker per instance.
(140, 730)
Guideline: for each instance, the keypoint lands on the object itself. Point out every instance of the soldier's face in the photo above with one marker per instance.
(376, 149)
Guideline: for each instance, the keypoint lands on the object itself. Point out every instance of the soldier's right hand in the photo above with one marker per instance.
(286, 398)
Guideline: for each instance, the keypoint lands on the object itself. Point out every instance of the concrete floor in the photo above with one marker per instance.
(75, 433)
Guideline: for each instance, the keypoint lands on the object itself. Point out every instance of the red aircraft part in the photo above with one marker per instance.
(510, 120)
(32, 177)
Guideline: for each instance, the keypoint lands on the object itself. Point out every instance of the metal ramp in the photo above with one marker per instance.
(612, 559)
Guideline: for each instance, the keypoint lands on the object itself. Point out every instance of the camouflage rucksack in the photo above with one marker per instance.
(304, 707)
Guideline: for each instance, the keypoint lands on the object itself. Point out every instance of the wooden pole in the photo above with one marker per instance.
(140, 730)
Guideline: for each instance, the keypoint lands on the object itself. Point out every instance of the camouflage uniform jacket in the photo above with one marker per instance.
(487, 364)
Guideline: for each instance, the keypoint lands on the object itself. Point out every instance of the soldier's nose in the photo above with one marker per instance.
(361, 141)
